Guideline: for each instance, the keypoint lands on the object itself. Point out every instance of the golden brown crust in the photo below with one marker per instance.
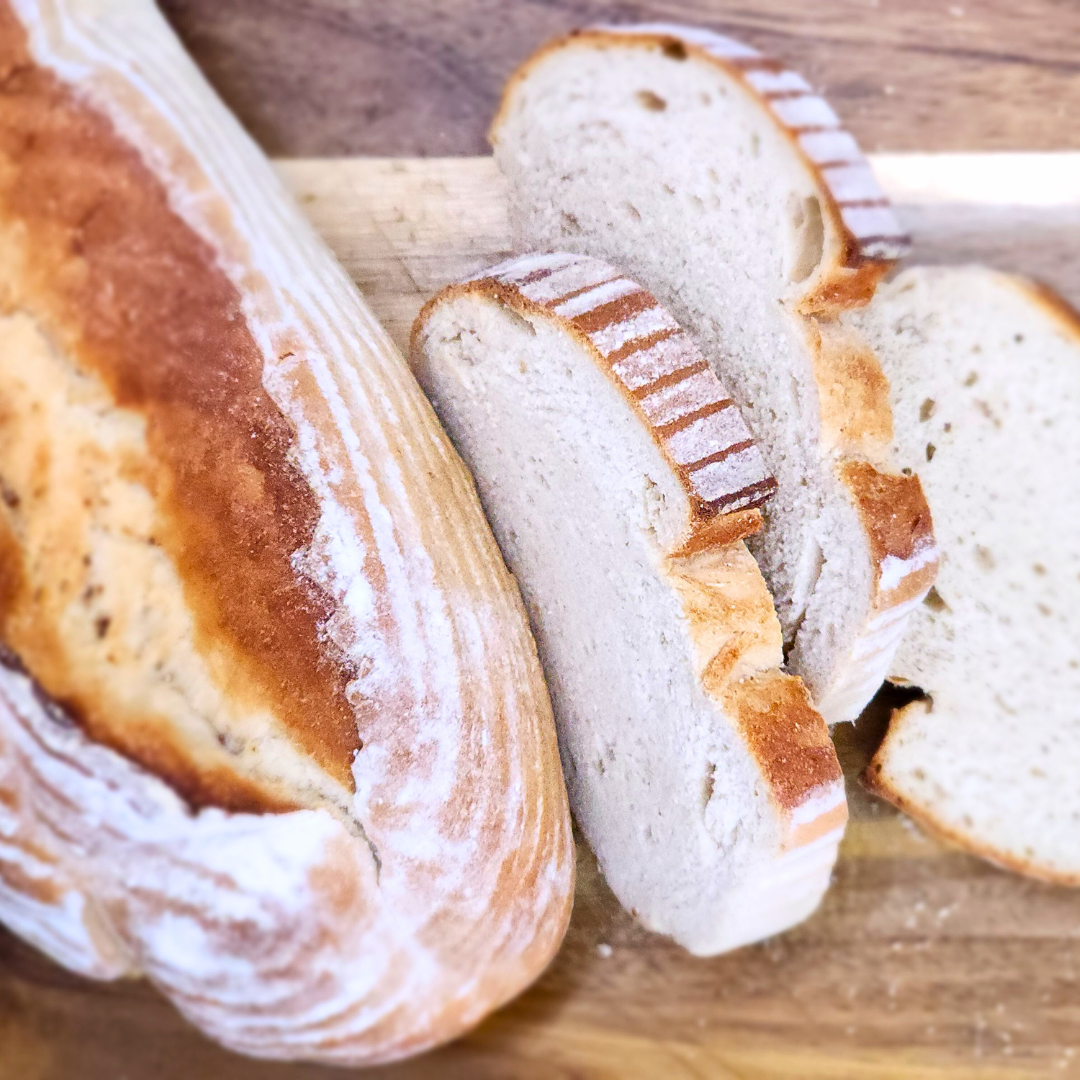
(1052, 302)
(786, 735)
(897, 522)
(854, 275)
(737, 639)
(873, 778)
(853, 392)
(849, 285)
(719, 530)
(135, 297)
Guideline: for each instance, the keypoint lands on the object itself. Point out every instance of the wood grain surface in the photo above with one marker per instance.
(922, 964)
(421, 77)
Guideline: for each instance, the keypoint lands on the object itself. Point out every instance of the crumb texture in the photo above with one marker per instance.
(718, 180)
(985, 376)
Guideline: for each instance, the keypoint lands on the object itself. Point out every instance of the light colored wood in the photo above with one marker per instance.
(405, 227)
(922, 964)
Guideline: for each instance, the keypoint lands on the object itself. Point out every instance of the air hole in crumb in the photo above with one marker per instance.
(653, 102)
(101, 625)
(755, 145)
(933, 600)
(926, 410)
(674, 49)
(570, 226)
(655, 504)
(635, 213)
(697, 203)
(601, 768)
(948, 427)
(668, 188)
(906, 471)
(1039, 569)
(931, 449)
(705, 99)
(1018, 338)
(1044, 609)
(807, 239)
(985, 557)
(984, 408)
(713, 175)
(972, 379)
(1004, 706)
(519, 320)
(708, 785)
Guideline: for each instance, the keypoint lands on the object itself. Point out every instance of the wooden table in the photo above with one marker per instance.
(420, 77)
(923, 963)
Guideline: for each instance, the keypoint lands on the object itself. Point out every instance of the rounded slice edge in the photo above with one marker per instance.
(863, 237)
(731, 635)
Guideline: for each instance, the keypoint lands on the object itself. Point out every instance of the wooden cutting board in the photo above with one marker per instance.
(922, 963)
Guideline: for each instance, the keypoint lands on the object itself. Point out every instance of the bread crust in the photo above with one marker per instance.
(656, 368)
(352, 934)
(729, 613)
(875, 777)
(232, 505)
(876, 780)
(861, 254)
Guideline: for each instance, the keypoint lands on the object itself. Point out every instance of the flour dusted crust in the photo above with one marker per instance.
(864, 237)
(660, 372)
(732, 624)
(401, 862)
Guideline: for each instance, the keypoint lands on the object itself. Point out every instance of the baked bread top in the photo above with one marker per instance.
(273, 725)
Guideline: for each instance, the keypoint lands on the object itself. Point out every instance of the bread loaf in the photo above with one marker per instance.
(719, 180)
(985, 376)
(620, 479)
(272, 727)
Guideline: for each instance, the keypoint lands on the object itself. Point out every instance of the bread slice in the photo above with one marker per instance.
(619, 479)
(716, 178)
(273, 730)
(985, 376)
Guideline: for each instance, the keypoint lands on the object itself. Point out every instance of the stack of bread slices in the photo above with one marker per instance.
(740, 315)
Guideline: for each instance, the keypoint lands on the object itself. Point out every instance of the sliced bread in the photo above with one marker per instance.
(716, 178)
(985, 376)
(619, 478)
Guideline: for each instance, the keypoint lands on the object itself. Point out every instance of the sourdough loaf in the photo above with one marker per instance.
(272, 726)
(985, 376)
(620, 478)
(720, 181)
